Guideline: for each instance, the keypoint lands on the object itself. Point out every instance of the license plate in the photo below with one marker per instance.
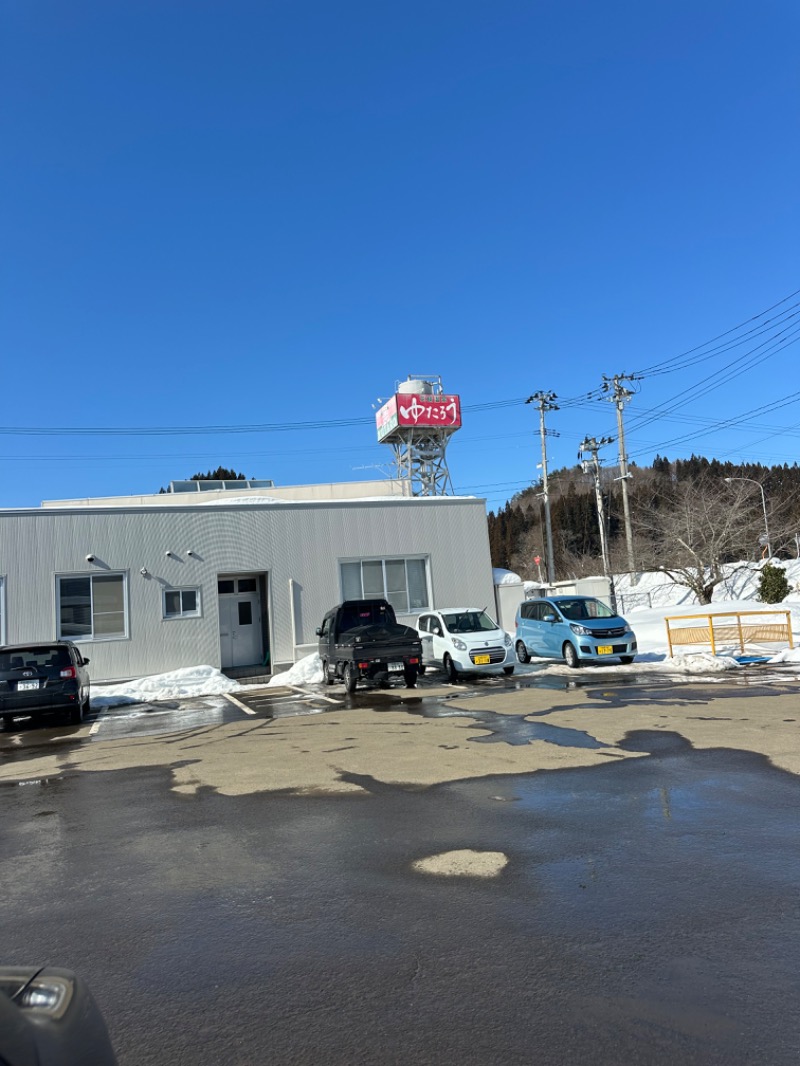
(395, 667)
(482, 660)
(605, 649)
(23, 685)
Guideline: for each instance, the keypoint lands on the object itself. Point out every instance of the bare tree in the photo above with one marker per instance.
(702, 526)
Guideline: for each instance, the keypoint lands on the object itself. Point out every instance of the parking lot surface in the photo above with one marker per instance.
(615, 872)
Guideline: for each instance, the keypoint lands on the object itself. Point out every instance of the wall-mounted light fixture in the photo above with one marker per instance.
(168, 553)
(144, 572)
(189, 551)
(89, 558)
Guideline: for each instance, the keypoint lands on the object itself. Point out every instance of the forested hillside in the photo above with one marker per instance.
(683, 512)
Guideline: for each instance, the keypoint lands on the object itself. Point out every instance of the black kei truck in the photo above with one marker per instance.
(361, 640)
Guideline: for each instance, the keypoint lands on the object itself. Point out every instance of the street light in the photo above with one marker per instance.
(763, 504)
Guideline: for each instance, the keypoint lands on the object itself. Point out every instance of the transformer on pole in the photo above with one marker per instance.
(418, 422)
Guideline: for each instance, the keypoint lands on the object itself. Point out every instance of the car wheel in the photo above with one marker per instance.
(508, 670)
(626, 660)
(350, 677)
(571, 656)
(450, 669)
(522, 652)
(410, 676)
(8, 723)
(86, 707)
(75, 714)
(326, 673)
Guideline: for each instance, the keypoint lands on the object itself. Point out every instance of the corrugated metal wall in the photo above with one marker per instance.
(300, 541)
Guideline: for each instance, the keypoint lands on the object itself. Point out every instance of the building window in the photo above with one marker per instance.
(181, 603)
(403, 582)
(92, 607)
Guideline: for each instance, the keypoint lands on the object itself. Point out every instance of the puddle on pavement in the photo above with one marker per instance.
(504, 728)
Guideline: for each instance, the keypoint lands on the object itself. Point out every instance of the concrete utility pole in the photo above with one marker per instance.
(544, 401)
(619, 396)
(592, 445)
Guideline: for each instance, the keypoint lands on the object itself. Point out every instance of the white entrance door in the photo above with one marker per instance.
(240, 629)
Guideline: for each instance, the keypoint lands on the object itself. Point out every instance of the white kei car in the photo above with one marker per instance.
(465, 640)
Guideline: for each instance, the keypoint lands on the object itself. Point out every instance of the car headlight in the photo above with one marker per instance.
(582, 631)
(507, 641)
(459, 644)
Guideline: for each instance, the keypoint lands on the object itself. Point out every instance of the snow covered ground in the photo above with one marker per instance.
(644, 604)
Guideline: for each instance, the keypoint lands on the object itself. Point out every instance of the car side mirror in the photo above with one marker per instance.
(549, 618)
(318, 631)
(85, 661)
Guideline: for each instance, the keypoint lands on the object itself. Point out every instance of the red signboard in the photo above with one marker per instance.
(414, 409)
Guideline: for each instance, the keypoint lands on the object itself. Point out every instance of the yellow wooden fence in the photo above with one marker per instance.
(729, 627)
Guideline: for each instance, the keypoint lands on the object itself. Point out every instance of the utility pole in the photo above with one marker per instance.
(592, 445)
(619, 396)
(544, 401)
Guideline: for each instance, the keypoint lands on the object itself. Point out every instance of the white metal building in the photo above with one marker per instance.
(230, 576)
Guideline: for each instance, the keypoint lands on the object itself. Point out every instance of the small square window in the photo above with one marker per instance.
(226, 586)
(181, 603)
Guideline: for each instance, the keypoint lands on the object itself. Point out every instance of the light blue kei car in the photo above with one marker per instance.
(577, 629)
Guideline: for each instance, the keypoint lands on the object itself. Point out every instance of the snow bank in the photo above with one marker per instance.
(306, 671)
(178, 684)
(701, 663)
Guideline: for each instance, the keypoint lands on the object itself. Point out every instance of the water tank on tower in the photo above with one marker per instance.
(418, 422)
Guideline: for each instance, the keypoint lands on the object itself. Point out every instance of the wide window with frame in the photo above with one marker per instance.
(92, 607)
(403, 582)
(181, 603)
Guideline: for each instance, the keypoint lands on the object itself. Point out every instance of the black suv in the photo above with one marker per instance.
(39, 679)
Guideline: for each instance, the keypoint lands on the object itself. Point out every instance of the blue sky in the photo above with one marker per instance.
(267, 213)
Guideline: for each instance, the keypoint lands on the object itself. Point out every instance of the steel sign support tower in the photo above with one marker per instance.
(418, 422)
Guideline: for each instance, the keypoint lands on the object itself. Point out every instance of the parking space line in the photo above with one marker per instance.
(238, 703)
(95, 727)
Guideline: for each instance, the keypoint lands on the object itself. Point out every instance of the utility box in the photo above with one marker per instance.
(507, 598)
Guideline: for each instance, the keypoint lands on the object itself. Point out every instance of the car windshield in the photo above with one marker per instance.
(35, 657)
(469, 622)
(580, 608)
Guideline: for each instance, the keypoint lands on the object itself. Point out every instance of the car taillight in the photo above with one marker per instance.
(69, 672)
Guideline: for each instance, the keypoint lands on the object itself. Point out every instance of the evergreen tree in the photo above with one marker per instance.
(773, 586)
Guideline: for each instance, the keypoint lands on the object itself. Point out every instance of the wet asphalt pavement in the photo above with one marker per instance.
(649, 912)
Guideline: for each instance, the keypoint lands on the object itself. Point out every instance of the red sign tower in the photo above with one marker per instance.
(418, 422)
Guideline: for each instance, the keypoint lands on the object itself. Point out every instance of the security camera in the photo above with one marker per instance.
(189, 552)
(168, 553)
(144, 571)
(89, 558)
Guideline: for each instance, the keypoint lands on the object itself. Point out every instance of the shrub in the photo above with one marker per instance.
(772, 584)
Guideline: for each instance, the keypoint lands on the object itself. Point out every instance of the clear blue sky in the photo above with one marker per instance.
(226, 214)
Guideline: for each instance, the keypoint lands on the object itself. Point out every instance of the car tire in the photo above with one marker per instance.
(326, 673)
(508, 670)
(8, 723)
(522, 652)
(75, 714)
(450, 669)
(410, 676)
(421, 669)
(626, 660)
(350, 677)
(571, 657)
